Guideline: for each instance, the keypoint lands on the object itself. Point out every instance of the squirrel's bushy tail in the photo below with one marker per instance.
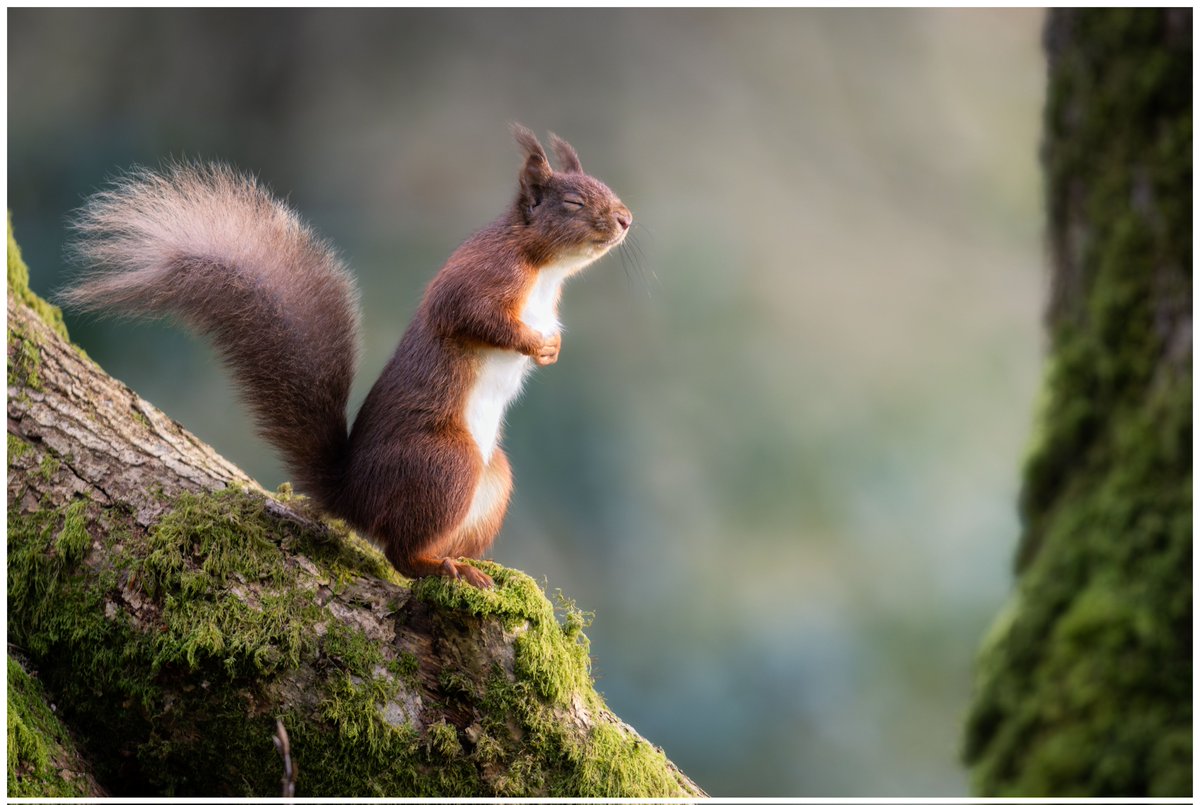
(215, 249)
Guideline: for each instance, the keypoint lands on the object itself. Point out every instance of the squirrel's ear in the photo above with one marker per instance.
(536, 171)
(568, 160)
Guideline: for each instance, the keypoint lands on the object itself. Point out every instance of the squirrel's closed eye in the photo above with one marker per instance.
(573, 201)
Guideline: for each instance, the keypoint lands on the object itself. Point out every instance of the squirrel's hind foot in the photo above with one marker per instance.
(461, 570)
(416, 567)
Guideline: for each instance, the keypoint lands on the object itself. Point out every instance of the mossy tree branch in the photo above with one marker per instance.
(174, 610)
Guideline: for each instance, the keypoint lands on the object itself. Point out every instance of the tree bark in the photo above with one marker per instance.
(1084, 686)
(174, 610)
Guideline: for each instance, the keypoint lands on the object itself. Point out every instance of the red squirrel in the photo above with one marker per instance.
(421, 472)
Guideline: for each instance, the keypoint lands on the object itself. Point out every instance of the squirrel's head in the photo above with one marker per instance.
(566, 214)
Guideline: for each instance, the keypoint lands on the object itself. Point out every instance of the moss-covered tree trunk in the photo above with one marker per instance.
(1085, 683)
(173, 610)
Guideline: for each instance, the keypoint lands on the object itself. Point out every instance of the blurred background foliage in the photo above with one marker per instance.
(780, 453)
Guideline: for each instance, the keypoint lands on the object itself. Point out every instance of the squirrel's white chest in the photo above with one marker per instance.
(502, 372)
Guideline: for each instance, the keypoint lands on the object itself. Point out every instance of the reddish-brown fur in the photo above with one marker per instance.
(218, 251)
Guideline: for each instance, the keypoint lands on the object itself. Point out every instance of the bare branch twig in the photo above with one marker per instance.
(285, 751)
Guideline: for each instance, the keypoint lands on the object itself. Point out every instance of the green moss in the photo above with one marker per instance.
(206, 547)
(351, 704)
(43, 548)
(236, 614)
(24, 360)
(61, 621)
(351, 649)
(551, 673)
(338, 550)
(488, 751)
(17, 448)
(48, 467)
(18, 286)
(614, 762)
(233, 616)
(42, 758)
(552, 656)
(443, 740)
(1084, 684)
(406, 665)
(607, 762)
(73, 540)
(388, 757)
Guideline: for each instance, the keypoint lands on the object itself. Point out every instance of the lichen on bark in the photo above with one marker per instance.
(1084, 686)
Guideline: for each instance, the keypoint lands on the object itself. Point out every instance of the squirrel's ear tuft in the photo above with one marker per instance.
(536, 171)
(568, 160)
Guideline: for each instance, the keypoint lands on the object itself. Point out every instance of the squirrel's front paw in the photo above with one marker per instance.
(548, 350)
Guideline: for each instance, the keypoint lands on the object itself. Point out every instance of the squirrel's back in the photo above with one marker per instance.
(215, 249)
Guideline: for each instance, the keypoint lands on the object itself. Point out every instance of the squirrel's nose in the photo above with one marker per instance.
(625, 218)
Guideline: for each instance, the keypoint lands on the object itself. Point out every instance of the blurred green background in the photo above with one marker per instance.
(779, 461)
